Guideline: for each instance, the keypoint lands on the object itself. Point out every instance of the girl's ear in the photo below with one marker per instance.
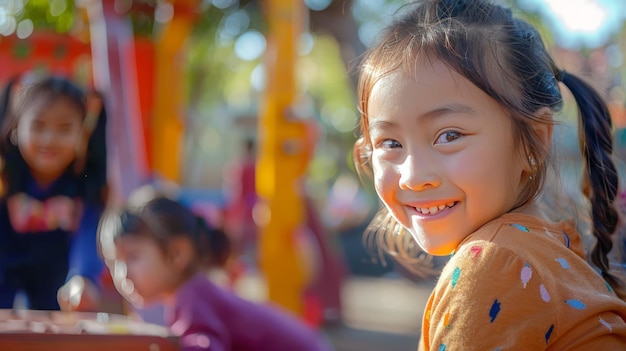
(544, 130)
(181, 252)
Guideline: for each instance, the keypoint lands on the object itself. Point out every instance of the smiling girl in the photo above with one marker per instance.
(53, 181)
(458, 101)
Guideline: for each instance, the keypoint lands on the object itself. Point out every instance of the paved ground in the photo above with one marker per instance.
(380, 314)
(348, 339)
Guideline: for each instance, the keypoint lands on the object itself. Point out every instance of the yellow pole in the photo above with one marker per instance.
(167, 123)
(281, 161)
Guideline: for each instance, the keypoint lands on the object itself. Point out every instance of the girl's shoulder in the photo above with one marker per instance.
(528, 236)
(520, 268)
(518, 248)
(515, 245)
(514, 283)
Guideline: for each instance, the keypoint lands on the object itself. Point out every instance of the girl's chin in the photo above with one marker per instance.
(439, 252)
(433, 248)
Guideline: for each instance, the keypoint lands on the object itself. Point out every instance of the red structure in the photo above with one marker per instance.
(52, 52)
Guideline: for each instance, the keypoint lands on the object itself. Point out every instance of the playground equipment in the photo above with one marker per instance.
(282, 160)
(141, 79)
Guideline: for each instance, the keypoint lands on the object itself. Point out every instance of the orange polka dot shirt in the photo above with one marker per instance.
(519, 283)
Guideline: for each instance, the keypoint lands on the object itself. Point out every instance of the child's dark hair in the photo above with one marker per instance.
(163, 219)
(505, 57)
(19, 94)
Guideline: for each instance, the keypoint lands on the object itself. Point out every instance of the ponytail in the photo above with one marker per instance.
(92, 163)
(5, 100)
(599, 177)
(10, 178)
(5, 135)
(214, 245)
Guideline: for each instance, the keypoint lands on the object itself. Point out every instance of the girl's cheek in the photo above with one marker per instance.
(378, 169)
(383, 173)
(73, 140)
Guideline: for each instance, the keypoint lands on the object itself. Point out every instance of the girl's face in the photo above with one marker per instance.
(47, 136)
(143, 268)
(444, 157)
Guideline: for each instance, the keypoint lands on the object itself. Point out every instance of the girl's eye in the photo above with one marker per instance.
(390, 144)
(448, 136)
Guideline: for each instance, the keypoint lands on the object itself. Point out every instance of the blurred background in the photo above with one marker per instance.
(198, 91)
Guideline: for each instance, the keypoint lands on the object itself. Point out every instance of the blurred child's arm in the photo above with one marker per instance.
(84, 259)
(81, 291)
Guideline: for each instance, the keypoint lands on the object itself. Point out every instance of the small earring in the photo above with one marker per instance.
(14, 137)
(533, 166)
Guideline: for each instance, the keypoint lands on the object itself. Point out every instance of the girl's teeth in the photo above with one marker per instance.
(435, 209)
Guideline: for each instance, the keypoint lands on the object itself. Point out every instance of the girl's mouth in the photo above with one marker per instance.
(434, 209)
(48, 153)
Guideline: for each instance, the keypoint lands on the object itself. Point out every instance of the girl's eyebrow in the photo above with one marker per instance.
(381, 125)
(453, 108)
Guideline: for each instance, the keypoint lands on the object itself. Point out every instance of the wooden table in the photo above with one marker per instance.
(27, 330)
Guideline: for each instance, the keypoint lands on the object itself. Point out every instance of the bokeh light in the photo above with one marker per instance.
(580, 23)
(25, 29)
(317, 5)
(250, 45)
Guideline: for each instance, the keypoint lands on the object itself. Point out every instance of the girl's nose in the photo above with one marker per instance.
(46, 138)
(418, 173)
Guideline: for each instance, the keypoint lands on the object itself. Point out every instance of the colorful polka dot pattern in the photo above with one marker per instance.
(526, 273)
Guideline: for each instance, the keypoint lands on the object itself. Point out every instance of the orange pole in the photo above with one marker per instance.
(282, 161)
(167, 125)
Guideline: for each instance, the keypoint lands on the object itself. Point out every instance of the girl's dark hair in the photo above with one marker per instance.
(163, 219)
(20, 94)
(505, 57)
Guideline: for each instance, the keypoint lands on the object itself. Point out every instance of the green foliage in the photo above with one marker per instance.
(215, 74)
(57, 15)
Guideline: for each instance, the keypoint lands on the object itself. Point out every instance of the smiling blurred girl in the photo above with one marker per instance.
(54, 188)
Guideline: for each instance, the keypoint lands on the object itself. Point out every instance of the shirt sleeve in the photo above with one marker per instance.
(84, 258)
(488, 298)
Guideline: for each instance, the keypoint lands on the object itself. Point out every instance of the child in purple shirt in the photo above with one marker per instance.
(156, 252)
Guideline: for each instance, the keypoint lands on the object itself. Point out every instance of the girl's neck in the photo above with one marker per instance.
(536, 209)
(44, 180)
(169, 297)
(184, 277)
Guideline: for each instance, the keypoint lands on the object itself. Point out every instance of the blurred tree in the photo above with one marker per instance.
(57, 15)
